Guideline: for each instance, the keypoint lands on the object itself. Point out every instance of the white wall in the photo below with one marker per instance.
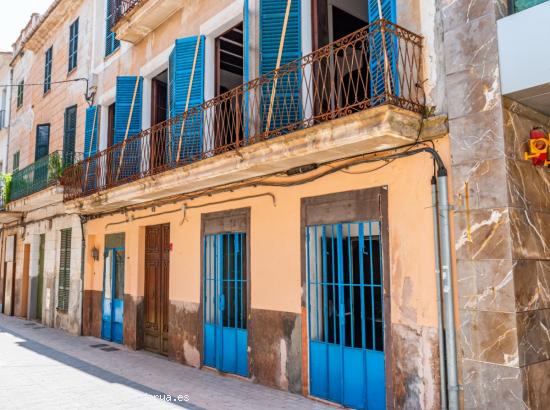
(524, 49)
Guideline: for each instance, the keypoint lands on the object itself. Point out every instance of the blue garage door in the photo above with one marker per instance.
(345, 303)
(225, 296)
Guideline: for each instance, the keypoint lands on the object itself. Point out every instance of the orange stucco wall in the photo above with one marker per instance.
(275, 240)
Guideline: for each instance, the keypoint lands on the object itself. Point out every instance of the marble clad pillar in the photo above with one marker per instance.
(502, 239)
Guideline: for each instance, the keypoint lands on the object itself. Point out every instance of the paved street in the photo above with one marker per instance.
(46, 368)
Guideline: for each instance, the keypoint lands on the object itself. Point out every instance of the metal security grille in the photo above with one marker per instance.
(345, 303)
(225, 302)
(64, 283)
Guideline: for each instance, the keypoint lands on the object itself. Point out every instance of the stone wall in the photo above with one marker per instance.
(501, 242)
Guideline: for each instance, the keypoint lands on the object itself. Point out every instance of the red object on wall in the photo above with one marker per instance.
(538, 134)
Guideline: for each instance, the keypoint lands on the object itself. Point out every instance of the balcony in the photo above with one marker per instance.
(40, 175)
(135, 19)
(523, 49)
(360, 94)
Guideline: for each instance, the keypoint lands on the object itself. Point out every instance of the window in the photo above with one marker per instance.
(73, 45)
(64, 283)
(15, 166)
(42, 147)
(111, 43)
(69, 135)
(48, 70)
(20, 91)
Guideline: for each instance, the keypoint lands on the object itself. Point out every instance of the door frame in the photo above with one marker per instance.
(160, 311)
(113, 285)
(234, 220)
(350, 206)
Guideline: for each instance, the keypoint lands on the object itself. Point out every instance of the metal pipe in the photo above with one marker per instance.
(440, 330)
(448, 291)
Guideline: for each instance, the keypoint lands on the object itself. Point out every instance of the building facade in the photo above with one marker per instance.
(50, 68)
(327, 197)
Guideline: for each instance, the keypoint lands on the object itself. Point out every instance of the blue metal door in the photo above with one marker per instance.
(112, 327)
(225, 303)
(345, 305)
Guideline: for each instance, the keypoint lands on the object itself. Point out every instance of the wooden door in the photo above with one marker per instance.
(40, 281)
(157, 265)
(24, 302)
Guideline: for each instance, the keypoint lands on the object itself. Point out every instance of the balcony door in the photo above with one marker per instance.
(41, 151)
(342, 78)
(159, 114)
(229, 75)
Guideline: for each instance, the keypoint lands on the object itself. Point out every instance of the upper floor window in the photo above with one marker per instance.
(20, 91)
(111, 43)
(15, 164)
(73, 45)
(48, 70)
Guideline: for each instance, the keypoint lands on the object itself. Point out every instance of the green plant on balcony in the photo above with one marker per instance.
(5, 181)
(55, 167)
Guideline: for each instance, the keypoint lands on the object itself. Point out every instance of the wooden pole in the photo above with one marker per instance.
(128, 127)
(91, 144)
(387, 78)
(279, 58)
(189, 92)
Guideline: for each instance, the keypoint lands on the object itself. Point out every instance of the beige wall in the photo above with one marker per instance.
(275, 240)
(39, 108)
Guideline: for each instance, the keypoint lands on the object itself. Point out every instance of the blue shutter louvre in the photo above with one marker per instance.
(377, 55)
(187, 131)
(125, 87)
(287, 108)
(91, 135)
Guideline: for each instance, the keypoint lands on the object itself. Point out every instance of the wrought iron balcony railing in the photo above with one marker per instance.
(123, 7)
(379, 64)
(45, 172)
(515, 6)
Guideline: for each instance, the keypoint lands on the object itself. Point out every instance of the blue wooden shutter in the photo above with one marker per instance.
(92, 125)
(125, 87)
(287, 107)
(377, 55)
(91, 135)
(180, 69)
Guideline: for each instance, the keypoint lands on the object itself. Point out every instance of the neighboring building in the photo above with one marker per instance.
(5, 93)
(257, 193)
(42, 243)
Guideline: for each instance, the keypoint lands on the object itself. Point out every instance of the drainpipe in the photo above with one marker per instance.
(443, 229)
(448, 291)
(440, 330)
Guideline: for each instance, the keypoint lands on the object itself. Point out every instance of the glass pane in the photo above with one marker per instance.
(119, 275)
(107, 283)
